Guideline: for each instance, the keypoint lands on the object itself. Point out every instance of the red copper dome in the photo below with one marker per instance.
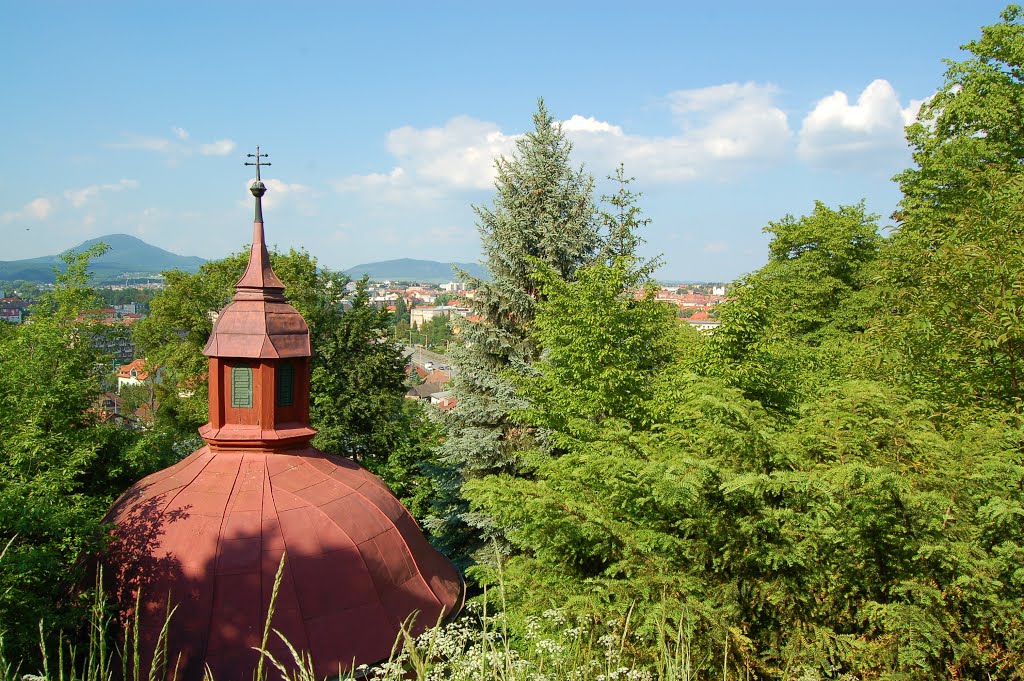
(210, 532)
(206, 535)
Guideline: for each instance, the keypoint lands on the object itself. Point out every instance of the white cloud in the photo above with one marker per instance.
(733, 121)
(180, 133)
(396, 186)
(218, 148)
(869, 132)
(279, 192)
(579, 123)
(458, 155)
(913, 108)
(77, 197)
(716, 247)
(356, 183)
(719, 127)
(37, 209)
(286, 188)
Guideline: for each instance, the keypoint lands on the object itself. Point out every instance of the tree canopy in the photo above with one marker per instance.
(61, 465)
(542, 216)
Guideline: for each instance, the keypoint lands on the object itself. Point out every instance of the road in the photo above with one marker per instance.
(420, 356)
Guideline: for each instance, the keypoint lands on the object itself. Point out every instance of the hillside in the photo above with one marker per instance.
(127, 255)
(408, 269)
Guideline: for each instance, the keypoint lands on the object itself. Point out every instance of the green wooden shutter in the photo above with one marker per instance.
(285, 384)
(241, 387)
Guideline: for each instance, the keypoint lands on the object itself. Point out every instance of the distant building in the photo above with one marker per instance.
(453, 287)
(134, 373)
(384, 299)
(117, 339)
(128, 308)
(419, 316)
(443, 400)
(703, 322)
(419, 295)
(12, 310)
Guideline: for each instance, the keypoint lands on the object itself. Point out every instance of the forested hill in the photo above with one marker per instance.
(127, 255)
(409, 269)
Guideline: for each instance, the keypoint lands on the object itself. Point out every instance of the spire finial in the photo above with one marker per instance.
(257, 188)
(259, 278)
(257, 162)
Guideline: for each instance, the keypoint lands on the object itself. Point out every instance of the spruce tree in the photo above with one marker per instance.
(542, 215)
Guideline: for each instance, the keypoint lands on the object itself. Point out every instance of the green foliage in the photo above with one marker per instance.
(602, 346)
(407, 469)
(60, 468)
(953, 299)
(27, 290)
(434, 334)
(446, 298)
(831, 485)
(174, 334)
(401, 313)
(542, 214)
(781, 486)
(950, 288)
(969, 124)
(124, 296)
(134, 396)
(358, 382)
(781, 333)
(621, 224)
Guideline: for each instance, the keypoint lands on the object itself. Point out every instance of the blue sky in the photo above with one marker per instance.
(382, 119)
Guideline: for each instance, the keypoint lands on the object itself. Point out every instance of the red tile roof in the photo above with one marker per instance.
(125, 371)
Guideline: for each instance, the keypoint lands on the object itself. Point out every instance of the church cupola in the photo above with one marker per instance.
(204, 538)
(259, 357)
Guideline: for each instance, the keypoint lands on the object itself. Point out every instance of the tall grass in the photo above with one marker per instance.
(66, 660)
(554, 645)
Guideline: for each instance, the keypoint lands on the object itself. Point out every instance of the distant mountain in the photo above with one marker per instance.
(127, 256)
(407, 269)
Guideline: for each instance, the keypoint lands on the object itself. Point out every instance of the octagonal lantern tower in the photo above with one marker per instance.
(259, 360)
(206, 536)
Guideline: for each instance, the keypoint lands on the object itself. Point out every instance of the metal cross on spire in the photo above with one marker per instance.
(257, 162)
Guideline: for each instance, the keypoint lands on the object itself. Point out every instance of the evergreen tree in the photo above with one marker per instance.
(543, 214)
(621, 224)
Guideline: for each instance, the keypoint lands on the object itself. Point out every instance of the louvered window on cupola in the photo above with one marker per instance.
(285, 384)
(241, 387)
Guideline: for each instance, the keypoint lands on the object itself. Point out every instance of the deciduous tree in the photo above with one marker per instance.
(60, 465)
(779, 329)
